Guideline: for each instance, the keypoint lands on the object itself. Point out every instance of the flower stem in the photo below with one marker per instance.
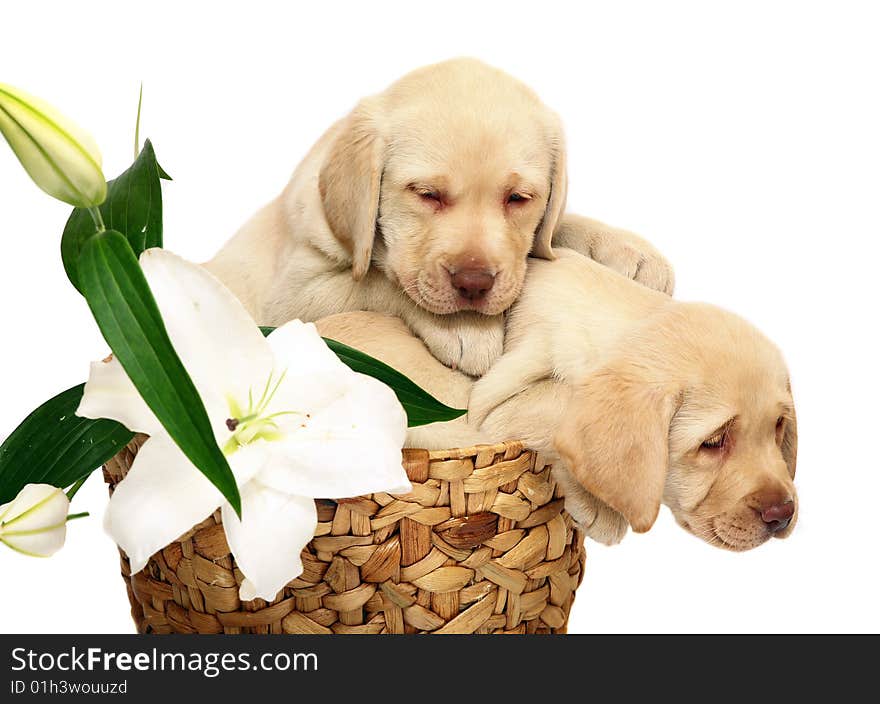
(71, 492)
(74, 516)
(96, 216)
(137, 124)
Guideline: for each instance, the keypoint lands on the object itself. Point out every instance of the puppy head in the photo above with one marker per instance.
(447, 181)
(696, 413)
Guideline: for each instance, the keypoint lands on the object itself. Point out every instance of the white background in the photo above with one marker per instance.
(741, 138)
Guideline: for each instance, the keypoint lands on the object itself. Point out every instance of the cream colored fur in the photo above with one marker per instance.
(620, 387)
(357, 227)
(651, 380)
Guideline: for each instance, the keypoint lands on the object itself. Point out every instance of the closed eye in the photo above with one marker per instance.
(517, 198)
(428, 194)
(780, 429)
(716, 441)
(719, 440)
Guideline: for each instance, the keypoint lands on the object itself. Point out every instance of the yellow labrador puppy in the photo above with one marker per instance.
(680, 403)
(425, 203)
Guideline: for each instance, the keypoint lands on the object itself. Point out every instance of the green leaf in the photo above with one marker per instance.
(420, 406)
(54, 446)
(133, 207)
(126, 312)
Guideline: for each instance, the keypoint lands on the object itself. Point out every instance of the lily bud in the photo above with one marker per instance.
(35, 522)
(59, 156)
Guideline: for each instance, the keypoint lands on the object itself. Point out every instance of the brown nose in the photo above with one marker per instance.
(473, 284)
(778, 516)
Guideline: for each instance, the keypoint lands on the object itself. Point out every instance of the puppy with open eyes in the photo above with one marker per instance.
(637, 399)
(425, 203)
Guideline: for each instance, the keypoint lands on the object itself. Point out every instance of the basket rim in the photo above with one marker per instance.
(415, 453)
(458, 453)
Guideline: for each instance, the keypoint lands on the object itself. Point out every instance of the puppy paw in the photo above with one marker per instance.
(609, 527)
(596, 518)
(654, 271)
(470, 344)
(636, 260)
(480, 351)
(618, 249)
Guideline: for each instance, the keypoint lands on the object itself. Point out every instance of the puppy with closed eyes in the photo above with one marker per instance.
(425, 203)
(678, 403)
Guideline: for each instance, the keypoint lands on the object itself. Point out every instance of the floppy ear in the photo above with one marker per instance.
(615, 441)
(349, 184)
(789, 443)
(542, 246)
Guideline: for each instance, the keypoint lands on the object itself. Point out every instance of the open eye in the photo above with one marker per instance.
(515, 198)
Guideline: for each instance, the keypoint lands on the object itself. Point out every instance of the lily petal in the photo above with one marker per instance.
(216, 339)
(109, 393)
(35, 521)
(162, 497)
(298, 347)
(350, 447)
(268, 540)
(313, 376)
(248, 460)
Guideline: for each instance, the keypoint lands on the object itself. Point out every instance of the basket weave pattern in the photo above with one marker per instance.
(481, 545)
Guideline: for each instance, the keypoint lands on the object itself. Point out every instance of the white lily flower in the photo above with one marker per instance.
(294, 422)
(60, 157)
(35, 522)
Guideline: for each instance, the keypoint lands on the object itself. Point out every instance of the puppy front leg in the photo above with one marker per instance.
(514, 372)
(621, 250)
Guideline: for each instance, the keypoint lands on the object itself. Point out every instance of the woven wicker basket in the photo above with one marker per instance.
(481, 545)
